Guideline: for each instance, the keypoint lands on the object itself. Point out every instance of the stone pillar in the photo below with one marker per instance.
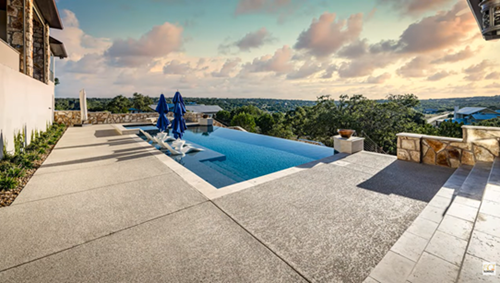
(47, 53)
(15, 24)
(28, 35)
(350, 145)
(409, 147)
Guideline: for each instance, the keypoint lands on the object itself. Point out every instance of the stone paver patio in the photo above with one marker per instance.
(102, 208)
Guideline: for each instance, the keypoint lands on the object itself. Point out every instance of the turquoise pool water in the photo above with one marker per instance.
(232, 156)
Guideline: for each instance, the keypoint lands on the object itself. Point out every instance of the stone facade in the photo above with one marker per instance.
(478, 144)
(15, 24)
(38, 50)
(30, 37)
(409, 148)
(70, 118)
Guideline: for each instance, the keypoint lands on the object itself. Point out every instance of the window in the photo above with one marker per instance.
(3, 20)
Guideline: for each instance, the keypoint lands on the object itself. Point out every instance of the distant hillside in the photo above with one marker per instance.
(270, 105)
(448, 104)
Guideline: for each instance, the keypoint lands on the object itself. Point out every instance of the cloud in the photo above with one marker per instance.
(493, 76)
(325, 35)
(415, 7)
(329, 71)
(354, 50)
(76, 41)
(175, 67)
(478, 68)
(417, 67)
(251, 40)
(254, 39)
(379, 79)
(455, 57)
(89, 64)
(228, 68)
(158, 42)
(366, 64)
(278, 63)
(256, 6)
(443, 30)
(439, 75)
(308, 69)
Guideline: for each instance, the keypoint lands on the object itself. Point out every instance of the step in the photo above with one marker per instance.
(484, 244)
(400, 261)
(432, 249)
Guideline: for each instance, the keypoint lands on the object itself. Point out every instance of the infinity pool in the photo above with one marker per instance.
(232, 156)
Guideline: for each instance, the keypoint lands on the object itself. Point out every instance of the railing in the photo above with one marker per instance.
(370, 145)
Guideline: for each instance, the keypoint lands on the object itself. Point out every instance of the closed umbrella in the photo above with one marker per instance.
(83, 105)
(162, 109)
(178, 124)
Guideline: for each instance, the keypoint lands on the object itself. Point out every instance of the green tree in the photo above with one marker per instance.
(56, 81)
(224, 116)
(119, 104)
(265, 122)
(142, 102)
(245, 121)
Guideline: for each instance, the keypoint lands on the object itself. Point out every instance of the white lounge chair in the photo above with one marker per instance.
(148, 136)
(178, 151)
(164, 137)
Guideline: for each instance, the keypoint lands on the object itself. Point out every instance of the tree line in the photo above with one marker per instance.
(120, 104)
(380, 121)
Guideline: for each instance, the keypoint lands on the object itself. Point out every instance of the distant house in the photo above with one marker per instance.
(198, 108)
(469, 115)
(430, 111)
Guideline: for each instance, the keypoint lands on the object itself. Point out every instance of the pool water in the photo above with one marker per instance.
(232, 156)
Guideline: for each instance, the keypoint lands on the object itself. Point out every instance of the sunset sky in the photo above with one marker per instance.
(286, 49)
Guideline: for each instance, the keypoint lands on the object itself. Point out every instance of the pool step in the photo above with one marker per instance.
(432, 249)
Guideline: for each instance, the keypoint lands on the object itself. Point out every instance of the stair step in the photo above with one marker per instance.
(484, 243)
(434, 247)
(474, 185)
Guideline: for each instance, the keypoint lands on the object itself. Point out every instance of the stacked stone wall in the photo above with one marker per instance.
(480, 144)
(71, 118)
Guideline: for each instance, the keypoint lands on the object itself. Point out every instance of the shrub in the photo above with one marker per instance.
(7, 183)
(15, 172)
(6, 166)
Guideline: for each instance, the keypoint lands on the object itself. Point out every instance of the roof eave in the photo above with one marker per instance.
(57, 48)
(50, 13)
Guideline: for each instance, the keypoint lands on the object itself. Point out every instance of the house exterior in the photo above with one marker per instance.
(27, 70)
(469, 115)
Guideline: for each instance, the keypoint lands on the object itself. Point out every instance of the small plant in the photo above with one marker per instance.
(15, 172)
(6, 166)
(42, 151)
(7, 183)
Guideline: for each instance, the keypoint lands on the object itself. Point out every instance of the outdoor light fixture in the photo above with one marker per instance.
(487, 14)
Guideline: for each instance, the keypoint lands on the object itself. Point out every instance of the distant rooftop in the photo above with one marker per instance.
(470, 110)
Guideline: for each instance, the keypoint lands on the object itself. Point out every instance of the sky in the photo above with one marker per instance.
(284, 49)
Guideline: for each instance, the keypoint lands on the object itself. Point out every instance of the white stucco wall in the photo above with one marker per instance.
(23, 101)
(9, 56)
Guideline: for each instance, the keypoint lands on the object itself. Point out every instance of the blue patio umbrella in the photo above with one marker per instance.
(178, 124)
(162, 109)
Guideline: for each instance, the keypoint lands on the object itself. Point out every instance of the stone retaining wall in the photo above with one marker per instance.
(478, 144)
(70, 118)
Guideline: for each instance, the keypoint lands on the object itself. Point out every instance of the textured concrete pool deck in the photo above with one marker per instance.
(108, 208)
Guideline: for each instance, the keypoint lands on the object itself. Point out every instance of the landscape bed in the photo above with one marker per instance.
(231, 156)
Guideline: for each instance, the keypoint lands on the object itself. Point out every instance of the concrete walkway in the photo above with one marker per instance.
(102, 208)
